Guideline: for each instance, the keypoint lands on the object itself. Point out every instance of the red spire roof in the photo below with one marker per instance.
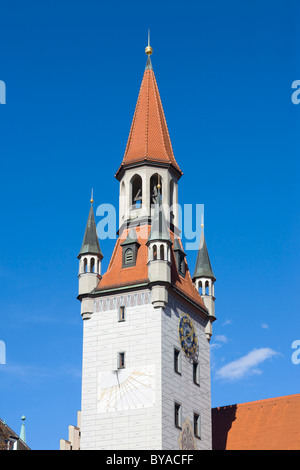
(149, 138)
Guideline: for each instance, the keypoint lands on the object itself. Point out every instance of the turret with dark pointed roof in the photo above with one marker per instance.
(90, 244)
(203, 266)
(204, 280)
(90, 258)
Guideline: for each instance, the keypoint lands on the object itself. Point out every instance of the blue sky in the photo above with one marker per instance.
(72, 72)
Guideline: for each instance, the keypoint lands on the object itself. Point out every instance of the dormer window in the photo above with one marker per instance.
(130, 249)
(181, 267)
(179, 257)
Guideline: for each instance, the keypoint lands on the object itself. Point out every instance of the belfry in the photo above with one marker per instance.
(146, 325)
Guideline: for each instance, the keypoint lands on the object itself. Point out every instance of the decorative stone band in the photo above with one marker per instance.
(129, 300)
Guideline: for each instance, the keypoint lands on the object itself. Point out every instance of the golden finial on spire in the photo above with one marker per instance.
(92, 198)
(148, 49)
(202, 221)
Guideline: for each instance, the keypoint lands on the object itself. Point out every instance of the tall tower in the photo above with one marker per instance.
(146, 357)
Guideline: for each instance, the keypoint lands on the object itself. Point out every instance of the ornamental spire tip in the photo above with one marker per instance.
(148, 49)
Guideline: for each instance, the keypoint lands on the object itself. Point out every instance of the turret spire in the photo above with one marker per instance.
(90, 242)
(204, 280)
(90, 258)
(203, 266)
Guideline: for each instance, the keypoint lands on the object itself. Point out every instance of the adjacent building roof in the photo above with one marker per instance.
(90, 244)
(9, 440)
(272, 424)
(149, 139)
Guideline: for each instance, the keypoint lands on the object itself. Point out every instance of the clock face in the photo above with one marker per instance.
(187, 336)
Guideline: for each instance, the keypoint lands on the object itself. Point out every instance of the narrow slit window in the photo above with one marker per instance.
(177, 412)
(121, 360)
(122, 313)
(196, 373)
(177, 365)
(197, 425)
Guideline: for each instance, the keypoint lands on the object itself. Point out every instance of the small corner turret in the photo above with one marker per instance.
(159, 256)
(90, 257)
(204, 280)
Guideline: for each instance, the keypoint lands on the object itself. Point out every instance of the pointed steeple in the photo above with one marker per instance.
(90, 242)
(203, 267)
(149, 139)
(159, 227)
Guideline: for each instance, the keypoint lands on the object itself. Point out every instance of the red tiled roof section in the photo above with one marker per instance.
(272, 424)
(184, 284)
(116, 276)
(149, 138)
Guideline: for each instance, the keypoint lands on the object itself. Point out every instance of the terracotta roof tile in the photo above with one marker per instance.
(272, 424)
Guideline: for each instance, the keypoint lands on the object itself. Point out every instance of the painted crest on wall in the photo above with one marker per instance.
(186, 439)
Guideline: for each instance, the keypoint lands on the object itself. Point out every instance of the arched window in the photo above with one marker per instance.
(136, 192)
(153, 187)
(92, 269)
(128, 257)
(85, 265)
(162, 252)
(200, 287)
(206, 288)
(154, 252)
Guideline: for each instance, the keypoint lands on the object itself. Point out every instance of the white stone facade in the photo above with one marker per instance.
(181, 388)
(136, 407)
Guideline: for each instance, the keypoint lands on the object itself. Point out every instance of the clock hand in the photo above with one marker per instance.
(189, 334)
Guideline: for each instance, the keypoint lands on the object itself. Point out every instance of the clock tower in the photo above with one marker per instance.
(146, 326)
